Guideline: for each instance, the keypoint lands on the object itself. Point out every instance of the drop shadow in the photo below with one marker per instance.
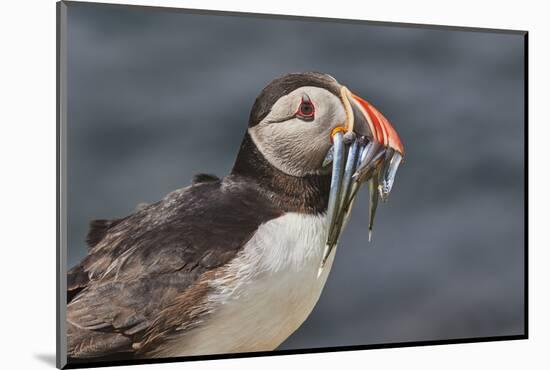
(46, 358)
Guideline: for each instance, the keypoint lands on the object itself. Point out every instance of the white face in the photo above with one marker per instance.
(295, 138)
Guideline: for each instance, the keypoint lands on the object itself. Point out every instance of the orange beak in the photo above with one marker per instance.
(382, 129)
(365, 120)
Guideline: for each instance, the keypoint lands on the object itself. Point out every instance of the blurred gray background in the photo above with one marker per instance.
(156, 96)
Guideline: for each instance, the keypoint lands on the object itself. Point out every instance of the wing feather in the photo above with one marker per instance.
(147, 274)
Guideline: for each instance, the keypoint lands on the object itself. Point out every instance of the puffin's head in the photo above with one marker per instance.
(295, 118)
(303, 122)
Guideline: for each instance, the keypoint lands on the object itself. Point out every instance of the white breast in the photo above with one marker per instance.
(269, 290)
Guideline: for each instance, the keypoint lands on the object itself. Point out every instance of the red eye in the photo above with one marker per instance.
(306, 110)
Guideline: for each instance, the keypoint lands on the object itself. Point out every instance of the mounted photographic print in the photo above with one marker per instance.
(235, 184)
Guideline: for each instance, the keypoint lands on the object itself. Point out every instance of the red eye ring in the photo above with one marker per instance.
(306, 110)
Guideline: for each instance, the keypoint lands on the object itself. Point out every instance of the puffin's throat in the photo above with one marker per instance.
(305, 194)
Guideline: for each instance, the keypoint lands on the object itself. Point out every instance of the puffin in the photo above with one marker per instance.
(236, 264)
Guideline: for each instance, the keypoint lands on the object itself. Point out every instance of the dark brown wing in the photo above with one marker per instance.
(77, 277)
(147, 274)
